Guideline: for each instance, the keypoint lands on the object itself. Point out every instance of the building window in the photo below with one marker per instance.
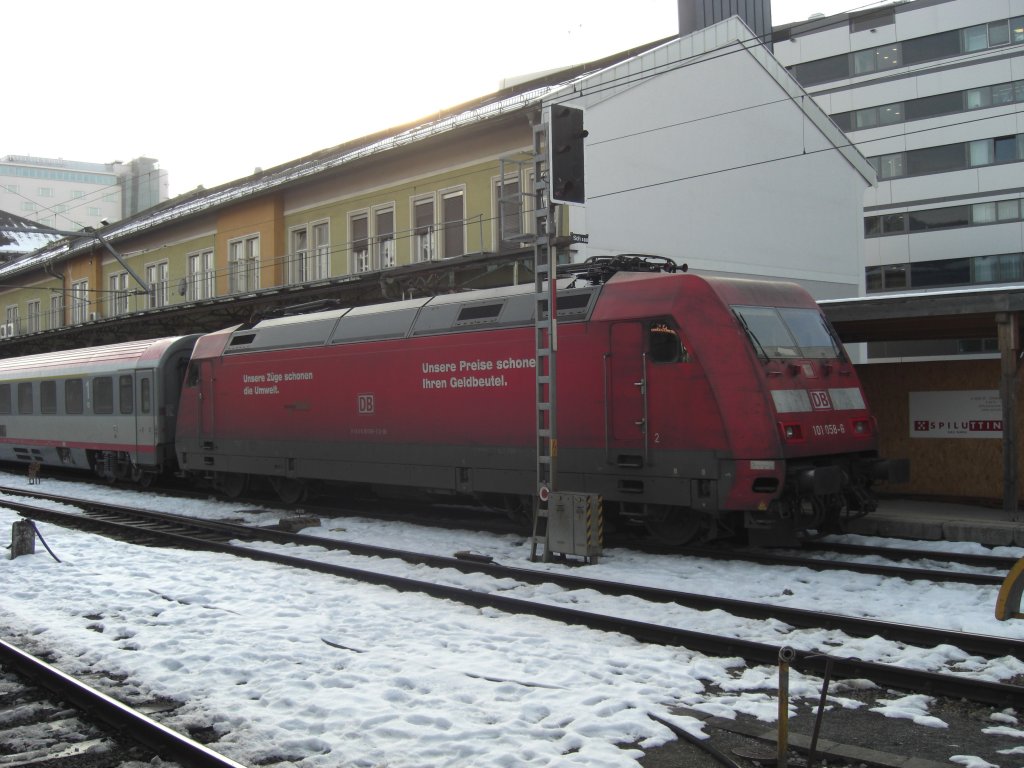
(244, 264)
(453, 224)
(12, 325)
(201, 282)
(45, 191)
(384, 237)
(321, 251)
(359, 226)
(913, 51)
(33, 323)
(873, 19)
(508, 203)
(310, 260)
(117, 298)
(28, 206)
(56, 311)
(156, 279)
(80, 301)
(939, 218)
(424, 242)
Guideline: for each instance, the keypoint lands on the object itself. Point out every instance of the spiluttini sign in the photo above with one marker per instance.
(959, 414)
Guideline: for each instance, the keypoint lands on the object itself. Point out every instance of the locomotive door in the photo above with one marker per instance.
(626, 395)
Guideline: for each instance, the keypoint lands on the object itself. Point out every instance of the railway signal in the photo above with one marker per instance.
(566, 161)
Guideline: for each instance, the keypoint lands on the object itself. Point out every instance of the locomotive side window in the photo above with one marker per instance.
(126, 393)
(5, 398)
(74, 396)
(664, 343)
(48, 396)
(103, 395)
(25, 397)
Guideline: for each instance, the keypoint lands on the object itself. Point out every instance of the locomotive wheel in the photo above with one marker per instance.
(289, 490)
(673, 526)
(232, 484)
(519, 509)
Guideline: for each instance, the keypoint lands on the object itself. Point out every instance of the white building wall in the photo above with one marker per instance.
(715, 164)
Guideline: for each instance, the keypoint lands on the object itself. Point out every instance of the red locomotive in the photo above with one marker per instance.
(696, 406)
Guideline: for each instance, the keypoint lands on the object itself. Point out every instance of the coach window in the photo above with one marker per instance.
(664, 343)
(145, 396)
(48, 396)
(103, 395)
(5, 398)
(25, 397)
(74, 399)
(125, 392)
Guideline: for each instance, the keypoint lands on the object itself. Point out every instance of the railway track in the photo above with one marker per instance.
(54, 719)
(153, 527)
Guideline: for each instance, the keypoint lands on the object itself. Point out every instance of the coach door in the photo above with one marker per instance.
(146, 431)
(626, 396)
(206, 409)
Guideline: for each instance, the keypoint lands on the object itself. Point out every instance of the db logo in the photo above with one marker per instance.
(365, 403)
(820, 401)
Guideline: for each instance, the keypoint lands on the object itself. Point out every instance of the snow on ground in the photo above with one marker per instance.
(320, 671)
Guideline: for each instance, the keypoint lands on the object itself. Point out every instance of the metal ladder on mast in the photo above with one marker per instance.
(546, 338)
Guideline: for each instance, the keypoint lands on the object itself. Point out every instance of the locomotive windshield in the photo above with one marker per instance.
(782, 332)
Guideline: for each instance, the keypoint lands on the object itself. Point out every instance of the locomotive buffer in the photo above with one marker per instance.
(565, 523)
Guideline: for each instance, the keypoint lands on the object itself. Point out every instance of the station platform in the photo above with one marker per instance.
(929, 520)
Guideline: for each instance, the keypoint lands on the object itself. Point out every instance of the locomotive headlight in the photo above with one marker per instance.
(791, 432)
(860, 427)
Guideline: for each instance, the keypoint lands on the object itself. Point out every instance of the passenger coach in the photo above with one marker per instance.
(109, 409)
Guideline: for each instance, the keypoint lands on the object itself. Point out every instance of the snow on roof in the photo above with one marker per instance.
(17, 237)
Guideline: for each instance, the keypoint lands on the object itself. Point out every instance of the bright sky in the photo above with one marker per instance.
(215, 88)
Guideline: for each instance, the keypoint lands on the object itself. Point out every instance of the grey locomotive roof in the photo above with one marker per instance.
(450, 313)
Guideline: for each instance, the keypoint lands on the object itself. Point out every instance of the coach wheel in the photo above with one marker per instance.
(672, 526)
(232, 484)
(289, 490)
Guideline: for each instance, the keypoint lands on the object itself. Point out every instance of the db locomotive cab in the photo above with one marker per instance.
(827, 438)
